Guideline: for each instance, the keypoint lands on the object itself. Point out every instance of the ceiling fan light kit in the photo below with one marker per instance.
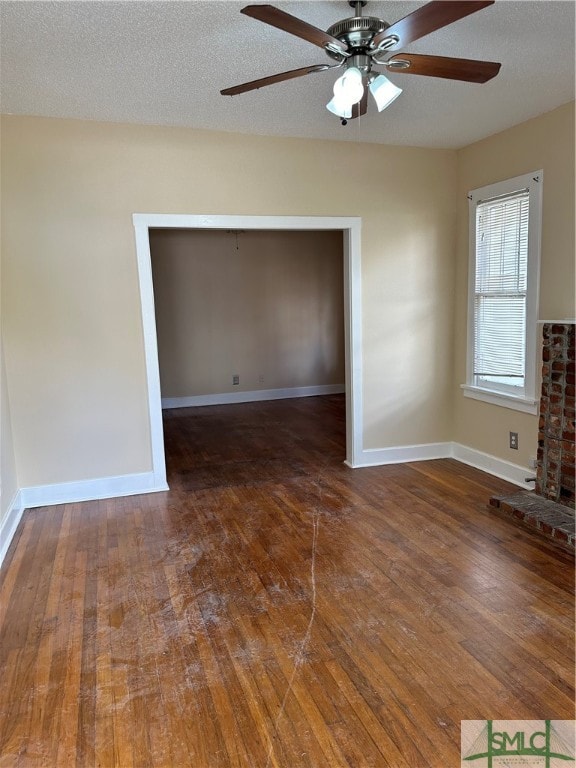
(360, 42)
(349, 90)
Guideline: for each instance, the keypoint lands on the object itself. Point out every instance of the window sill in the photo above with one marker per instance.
(525, 404)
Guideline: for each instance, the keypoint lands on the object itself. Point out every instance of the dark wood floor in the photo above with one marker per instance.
(277, 608)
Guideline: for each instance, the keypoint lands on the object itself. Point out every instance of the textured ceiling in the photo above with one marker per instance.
(165, 62)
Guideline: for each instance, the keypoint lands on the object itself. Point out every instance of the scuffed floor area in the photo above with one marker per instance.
(276, 608)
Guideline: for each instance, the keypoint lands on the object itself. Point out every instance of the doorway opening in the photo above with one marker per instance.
(350, 228)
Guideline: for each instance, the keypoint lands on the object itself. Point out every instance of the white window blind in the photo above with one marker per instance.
(505, 225)
(500, 291)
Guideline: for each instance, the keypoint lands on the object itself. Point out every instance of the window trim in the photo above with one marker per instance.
(526, 401)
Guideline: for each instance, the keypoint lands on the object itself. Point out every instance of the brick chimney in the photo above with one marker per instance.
(556, 470)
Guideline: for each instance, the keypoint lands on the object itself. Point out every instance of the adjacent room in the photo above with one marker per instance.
(287, 383)
(257, 312)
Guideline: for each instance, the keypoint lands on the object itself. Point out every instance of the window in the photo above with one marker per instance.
(505, 223)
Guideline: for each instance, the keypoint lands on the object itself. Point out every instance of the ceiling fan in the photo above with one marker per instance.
(360, 42)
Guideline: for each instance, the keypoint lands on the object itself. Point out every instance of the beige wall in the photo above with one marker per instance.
(71, 310)
(74, 345)
(267, 306)
(547, 143)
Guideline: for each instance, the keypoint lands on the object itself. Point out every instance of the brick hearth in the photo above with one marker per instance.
(550, 509)
(552, 520)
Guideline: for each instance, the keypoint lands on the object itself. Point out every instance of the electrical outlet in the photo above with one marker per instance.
(533, 462)
(514, 440)
(235, 379)
(261, 379)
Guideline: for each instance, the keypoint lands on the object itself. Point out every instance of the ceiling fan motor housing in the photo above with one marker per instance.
(357, 32)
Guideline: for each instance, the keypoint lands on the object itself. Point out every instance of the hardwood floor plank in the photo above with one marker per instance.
(277, 609)
(390, 753)
(10, 743)
(283, 721)
(66, 754)
(47, 645)
(147, 603)
(16, 556)
(22, 709)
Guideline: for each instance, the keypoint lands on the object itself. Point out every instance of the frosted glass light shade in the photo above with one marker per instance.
(349, 87)
(384, 92)
(339, 108)
(348, 90)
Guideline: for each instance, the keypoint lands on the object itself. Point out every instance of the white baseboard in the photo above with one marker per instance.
(10, 524)
(505, 470)
(374, 457)
(252, 396)
(90, 490)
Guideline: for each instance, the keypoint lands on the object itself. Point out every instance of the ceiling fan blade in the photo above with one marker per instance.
(271, 79)
(295, 26)
(445, 66)
(429, 18)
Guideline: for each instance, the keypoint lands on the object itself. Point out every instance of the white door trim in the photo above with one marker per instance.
(351, 228)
